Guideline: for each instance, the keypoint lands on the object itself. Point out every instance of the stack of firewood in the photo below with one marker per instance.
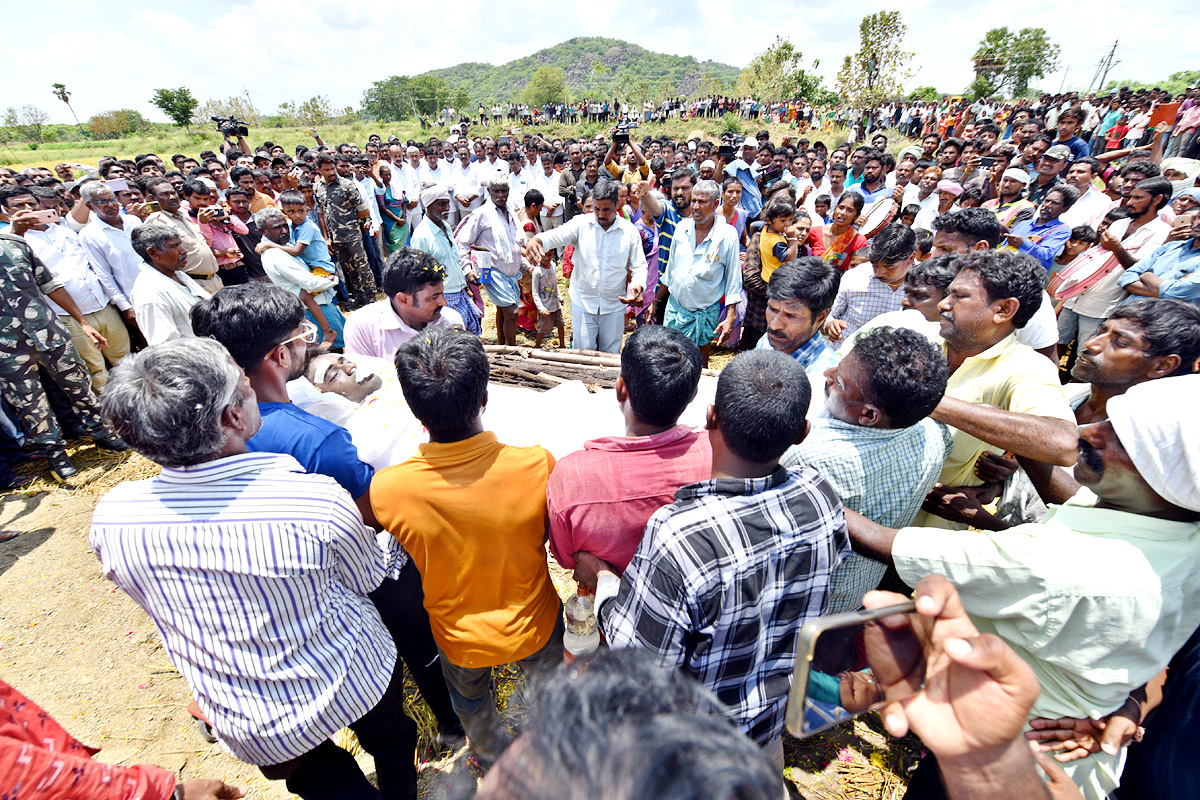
(544, 369)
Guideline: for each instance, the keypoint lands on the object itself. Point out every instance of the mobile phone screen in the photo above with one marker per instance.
(833, 682)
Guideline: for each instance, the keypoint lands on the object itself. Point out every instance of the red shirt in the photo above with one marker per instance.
(600, 498)
(39, 760)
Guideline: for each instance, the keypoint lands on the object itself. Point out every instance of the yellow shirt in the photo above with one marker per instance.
(472, 515)
(1011, 376)
(766, 252)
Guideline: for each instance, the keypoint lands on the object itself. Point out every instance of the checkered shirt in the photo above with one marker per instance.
(883, 474)
(723, 580)
(861, 298)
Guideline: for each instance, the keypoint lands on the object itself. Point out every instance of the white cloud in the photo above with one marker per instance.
(279, 50)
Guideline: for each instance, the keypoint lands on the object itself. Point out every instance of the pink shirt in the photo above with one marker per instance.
(377, 330)
(600, 498)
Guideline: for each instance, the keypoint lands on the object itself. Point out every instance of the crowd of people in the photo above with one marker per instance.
(970, 358)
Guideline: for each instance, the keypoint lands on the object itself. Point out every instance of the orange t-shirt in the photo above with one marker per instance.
(472, 515)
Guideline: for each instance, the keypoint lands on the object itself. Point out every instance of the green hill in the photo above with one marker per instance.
(633, 71)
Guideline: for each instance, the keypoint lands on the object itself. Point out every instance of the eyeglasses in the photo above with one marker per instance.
(308, 334)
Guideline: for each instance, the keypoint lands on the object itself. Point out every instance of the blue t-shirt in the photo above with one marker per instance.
(321, 447)
(316, 253)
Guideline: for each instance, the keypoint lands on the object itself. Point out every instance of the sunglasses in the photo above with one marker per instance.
(308, 334)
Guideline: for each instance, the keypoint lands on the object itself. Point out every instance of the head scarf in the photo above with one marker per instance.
(1161, 432)
(432, 194)
(952, 187)
(1017, 175)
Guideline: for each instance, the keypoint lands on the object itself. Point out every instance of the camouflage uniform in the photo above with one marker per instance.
(30, 334)
(340, 203)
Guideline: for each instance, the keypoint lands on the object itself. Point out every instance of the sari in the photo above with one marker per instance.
(395, 234)
(840, 250)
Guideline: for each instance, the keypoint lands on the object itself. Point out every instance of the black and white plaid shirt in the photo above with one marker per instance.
(723, 580)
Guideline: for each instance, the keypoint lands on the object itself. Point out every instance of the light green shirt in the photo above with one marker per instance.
(1097, 601)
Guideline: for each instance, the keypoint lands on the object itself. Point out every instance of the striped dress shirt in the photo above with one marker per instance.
(256, 575)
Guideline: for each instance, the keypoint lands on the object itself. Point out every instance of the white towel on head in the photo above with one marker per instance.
(1160, 429)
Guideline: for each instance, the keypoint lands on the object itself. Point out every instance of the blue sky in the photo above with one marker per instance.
(113, 55)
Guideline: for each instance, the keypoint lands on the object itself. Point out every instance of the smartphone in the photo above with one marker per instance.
(152, 206)
(117, 185)
(46, 217)
(986, 162)
(830, 684)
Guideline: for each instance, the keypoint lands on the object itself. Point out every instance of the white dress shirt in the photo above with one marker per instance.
(1088, 209)
(293, 274)
(602, 259)
(59, 249)
(111, 253)
(164, 305)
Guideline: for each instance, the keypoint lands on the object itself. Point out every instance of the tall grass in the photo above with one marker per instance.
(166, 143)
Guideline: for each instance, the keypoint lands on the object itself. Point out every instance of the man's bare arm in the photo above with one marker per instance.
(1053, 441)
(870, 538)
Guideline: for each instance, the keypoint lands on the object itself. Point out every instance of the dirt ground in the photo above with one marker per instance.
(81, 649)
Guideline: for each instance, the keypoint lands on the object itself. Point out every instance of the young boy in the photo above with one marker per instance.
(821, 206)
(549, 304)
(1082, 237)
(306, 241)
(471, 512)
(754, 530)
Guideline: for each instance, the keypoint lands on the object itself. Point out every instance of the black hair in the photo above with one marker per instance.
(1147, 169)
(937, 272)
(854, 197)
(1093, 164)
(893, 244)
(974, 193)
(683, 173)
(661, 369)
(838, 166)
(1069, 194)
(1006, 274)
(910, 210)
(1169, 327)
(240, 192)
(291, 197)
(409, 270)
(778, 207)
(652, 732)
(194, 186)
(236, 173)
(1085, 233)
(924, 244)
(534, 196)
(951, 141)
(9, 191)
(761, 402)
(443, 374)
(810, 280)
(251, 320)
(1157, 186)
(977, 224)
(906, 373)
(603, 190)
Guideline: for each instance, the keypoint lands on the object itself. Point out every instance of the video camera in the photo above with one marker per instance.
(621, 135)
(231, 126)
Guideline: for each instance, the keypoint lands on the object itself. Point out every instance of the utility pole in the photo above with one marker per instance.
(1064, 79)
(1106, 64)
